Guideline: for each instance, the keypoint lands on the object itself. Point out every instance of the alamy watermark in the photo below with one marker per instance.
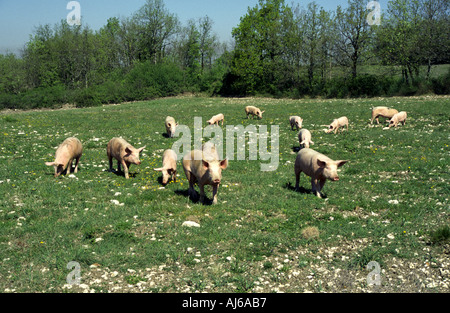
(74, 16)
(74, 277)
(258, 142)
(374, 277)
(374, 16)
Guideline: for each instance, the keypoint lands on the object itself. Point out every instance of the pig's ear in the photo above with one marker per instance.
(224, 164)
(321, 163)
(129, 150)
(263, 112)
(176, 124)
(168, 124)
(141, 149)
(158, 169)
(205, 164)
(50, 163)
(341, 162)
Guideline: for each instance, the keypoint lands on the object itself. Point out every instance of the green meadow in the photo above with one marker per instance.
(390, 205)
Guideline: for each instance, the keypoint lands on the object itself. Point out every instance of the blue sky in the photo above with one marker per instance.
(19, 18)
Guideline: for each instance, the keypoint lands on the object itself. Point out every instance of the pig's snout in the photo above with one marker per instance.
(336, 179)
(216, 182)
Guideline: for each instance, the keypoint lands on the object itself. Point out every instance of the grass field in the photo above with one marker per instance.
(390, 206)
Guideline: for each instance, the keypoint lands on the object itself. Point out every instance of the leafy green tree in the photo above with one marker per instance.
(156, 29)
(354, 35)
(259, 57)
(398, 37)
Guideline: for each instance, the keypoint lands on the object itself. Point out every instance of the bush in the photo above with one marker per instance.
(147, 81)
(87, 98)
(441, 85)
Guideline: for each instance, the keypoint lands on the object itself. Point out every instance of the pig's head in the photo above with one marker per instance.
(332, 126)
(392, 123)
(166, 174)
(259, 113)
(299, 123)
(171, 128)
(214, 170)
(132, 155)
(330, 168)
(59, 168)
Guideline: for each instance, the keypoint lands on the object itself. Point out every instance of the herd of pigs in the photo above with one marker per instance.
(203, 167)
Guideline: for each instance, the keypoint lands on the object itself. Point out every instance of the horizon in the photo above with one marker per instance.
(19, 20)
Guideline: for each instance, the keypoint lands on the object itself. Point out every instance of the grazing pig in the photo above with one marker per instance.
(216, 119)
(317, 166)
(253, 111)
(338, 123)
(70, 149)
(124, 153)
(398, 118)
(171, 126)
(204, 168)
(169, 168)
(382, 112)
(304, 138)
(295, 121)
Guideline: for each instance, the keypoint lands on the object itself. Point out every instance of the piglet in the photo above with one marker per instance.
(124, 153)
(304, 138)
(251, 110)
(317, 166)
(382, 112)
(204, 168)
(337, 124)
(398, 118)
(70, 149)
(216, 119)
(171, 126)
(169, 168)
(295, 121)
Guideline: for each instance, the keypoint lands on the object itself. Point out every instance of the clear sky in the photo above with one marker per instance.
(19, 18)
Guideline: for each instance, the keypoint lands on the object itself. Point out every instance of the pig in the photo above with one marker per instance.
(70, 149)
(171, 126)
(124, 153)
(382, 112)
(338, 123)
(398, 118)
(216, 119)
(304, 138)
(253, 111)
(169, 168)
(317, 166)
(204, 168)
(295, 121)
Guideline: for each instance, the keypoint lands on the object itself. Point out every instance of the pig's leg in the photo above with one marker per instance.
(297, 180)
(118, 166)
(125, 169)
(315, 187)
(321, 184)
(110, 163)
(215, 188)
(76, 165)
(69, 167)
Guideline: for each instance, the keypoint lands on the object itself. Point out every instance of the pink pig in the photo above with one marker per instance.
(169, 168)
(317, 166)
(70, 149)
(124, 153)
(398, 118)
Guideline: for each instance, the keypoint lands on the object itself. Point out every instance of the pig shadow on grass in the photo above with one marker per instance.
(122, 173)
(301, 190)
(195, 199)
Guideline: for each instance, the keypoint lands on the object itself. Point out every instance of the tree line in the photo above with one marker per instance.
(277, 50)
